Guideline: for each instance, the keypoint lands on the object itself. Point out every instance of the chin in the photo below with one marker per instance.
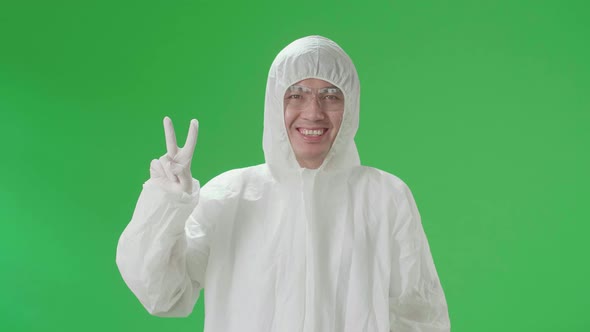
(310, 158)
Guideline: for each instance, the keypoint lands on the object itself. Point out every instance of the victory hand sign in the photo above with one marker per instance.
(172, 171)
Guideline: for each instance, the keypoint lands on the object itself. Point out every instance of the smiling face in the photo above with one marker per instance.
(313, 114)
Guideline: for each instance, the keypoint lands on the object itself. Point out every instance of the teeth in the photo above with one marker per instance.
(308, 132)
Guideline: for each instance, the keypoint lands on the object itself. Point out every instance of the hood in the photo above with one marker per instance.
(310, 57)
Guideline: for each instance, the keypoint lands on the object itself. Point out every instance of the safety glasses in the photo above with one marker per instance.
(328, 98)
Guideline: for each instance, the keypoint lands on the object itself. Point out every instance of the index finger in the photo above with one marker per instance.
(171, 146)
(191, 139)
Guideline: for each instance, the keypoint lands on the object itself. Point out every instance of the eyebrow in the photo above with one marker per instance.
(332, 87)
(306, 87)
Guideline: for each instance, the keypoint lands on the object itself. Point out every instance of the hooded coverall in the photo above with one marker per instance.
(277, 247)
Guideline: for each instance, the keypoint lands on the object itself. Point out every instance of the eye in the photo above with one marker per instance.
(295, 92)
(331, 97)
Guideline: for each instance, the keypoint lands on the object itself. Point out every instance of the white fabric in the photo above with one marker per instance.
(281, 248)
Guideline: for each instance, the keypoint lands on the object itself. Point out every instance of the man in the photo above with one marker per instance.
(309, 241)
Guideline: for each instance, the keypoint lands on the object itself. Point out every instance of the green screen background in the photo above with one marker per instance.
(482, 107)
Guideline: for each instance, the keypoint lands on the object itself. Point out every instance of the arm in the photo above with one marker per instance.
(161, 260)
(416, 298)
(152, 253)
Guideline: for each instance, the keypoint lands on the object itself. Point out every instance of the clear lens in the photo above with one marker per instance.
(328, 98)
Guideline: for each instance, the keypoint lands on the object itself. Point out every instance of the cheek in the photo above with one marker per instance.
(286, 118)
(289, 118)
(337, 120)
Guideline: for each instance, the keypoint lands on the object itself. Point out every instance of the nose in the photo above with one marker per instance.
(313, 111)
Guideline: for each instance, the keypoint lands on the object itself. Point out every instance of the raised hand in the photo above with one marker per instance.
(172, 171)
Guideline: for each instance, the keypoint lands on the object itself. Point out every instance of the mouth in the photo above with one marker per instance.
(312, 134)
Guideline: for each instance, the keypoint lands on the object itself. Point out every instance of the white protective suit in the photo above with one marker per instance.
(280, 248)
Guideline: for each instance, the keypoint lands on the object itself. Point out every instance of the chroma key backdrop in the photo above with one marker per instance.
(481, 107)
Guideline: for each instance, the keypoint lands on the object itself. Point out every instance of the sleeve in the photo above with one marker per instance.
(154, 249)
(416, 298)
